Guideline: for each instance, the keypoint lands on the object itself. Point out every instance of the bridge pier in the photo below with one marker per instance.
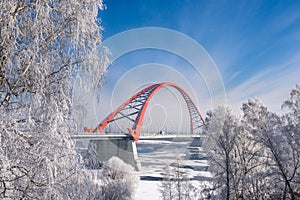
(196, 142)
(124, 148)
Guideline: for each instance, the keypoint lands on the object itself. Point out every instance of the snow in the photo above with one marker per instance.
(148, 190)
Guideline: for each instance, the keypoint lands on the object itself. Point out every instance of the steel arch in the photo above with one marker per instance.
(139, 103)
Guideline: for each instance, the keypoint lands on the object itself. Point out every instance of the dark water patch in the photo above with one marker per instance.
(196, 168)
(154, 178)
(196, 157)
(151, 178)
(201, 178)
(149, 164)
(194, 150)
(187, 167)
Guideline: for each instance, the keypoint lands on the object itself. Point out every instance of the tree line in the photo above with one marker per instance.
(255, 155)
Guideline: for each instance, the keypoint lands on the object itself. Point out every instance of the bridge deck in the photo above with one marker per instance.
(125, 136)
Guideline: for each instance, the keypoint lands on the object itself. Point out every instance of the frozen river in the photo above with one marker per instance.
(155, 155)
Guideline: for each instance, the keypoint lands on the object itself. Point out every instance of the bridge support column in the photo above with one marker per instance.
(125, 149)
(194, 150)
(196, 142)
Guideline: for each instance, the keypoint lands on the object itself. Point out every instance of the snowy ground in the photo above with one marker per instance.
(155, 155)
(148, 190)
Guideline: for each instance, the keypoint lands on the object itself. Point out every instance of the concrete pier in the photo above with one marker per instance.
(197, 142)
(124, 148)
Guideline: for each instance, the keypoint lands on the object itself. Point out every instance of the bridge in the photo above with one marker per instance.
(133, 110)
(108, 136)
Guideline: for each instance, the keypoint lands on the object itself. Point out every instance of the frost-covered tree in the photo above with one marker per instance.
(176, 185)
(291, 130)
(167, 187)
(255, 120)
(44, 46)
(236, 160)
(119, 182)
(257, 156)
(277, 152)
(248, 166)
(222, 133)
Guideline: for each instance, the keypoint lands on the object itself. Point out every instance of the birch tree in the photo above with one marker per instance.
(257, 156)
(291, 129)
(222, 132)
(43, 47)
(248, 167)
(278, 153)
(176, 185)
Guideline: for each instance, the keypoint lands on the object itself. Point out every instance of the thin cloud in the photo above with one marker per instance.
(272, 86)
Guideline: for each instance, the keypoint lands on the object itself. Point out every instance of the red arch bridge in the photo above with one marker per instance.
(136, 107)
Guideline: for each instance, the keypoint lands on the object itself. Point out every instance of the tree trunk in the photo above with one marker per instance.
(227, 177)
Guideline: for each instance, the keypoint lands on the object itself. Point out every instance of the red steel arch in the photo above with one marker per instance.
(139, 103)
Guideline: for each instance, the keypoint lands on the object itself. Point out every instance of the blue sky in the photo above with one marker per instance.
(255, 44)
